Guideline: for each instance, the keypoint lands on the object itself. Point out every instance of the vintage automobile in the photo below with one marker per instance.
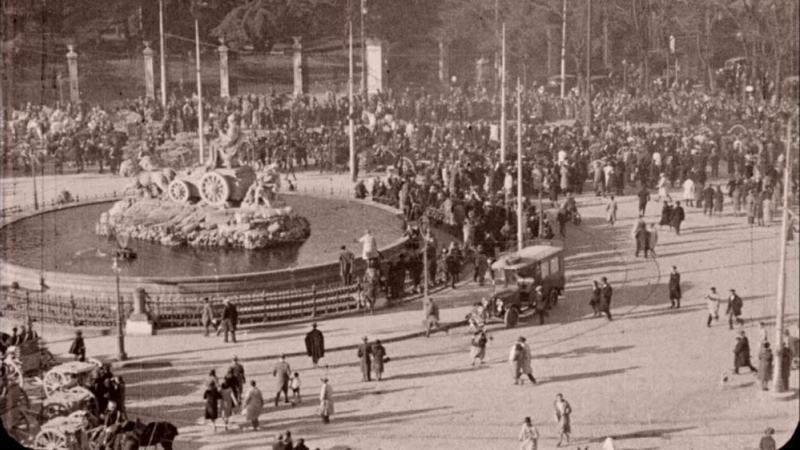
(530, 280)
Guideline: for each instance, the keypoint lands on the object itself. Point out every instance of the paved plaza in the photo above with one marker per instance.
(651, 377)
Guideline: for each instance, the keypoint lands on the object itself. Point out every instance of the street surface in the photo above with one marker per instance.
(651, 377)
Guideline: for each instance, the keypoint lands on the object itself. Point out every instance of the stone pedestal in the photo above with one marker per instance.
(138, 323)
(224, 80)
(72, 68)
(149, 81)
(376, 66)
(298, 68)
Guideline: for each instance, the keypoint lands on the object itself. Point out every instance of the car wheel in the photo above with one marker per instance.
(553, 297)
(511, 318)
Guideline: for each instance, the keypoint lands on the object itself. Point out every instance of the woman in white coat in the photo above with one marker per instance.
(326, 401)
(689, 192)
(252, 404)
(528, 436)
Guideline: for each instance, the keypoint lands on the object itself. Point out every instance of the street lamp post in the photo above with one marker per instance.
(777, 383)
(122, 356)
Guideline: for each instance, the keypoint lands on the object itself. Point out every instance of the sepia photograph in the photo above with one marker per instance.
(400, 224)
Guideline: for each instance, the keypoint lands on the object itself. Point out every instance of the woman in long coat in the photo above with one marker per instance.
(596, 298)
(378, 359)
(528, 436)
(666, 215)
(765, 365)
(252, 404)
(211, 396)
(228, 401)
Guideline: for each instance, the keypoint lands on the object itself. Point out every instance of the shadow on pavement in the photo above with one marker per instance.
(585, 375)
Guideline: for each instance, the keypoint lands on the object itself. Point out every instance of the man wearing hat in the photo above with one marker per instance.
(326, 401)
(675, 288)
(644, 197)
(78, 348)
(238, 371)
(364, 354)
(741, 353)
(282, 372)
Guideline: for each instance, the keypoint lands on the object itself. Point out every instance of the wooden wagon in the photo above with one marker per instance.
(29, 358)
(66, 402)
(68, 375)
(66, 432)
(15, 412)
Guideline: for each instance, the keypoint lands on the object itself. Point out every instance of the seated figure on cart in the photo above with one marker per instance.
(226, 146)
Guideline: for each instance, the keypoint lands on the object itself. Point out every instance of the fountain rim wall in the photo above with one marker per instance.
(64, 283)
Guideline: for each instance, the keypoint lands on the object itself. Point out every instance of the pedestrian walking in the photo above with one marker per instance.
(346, 262)
(641, 239)
(689, 192)
(741, 353)
(520, 359)
(666, 215)
(563, 411)
(611, 210)
(708, 200)
(211, 397)
(364, 355)
(734, 309)
(719, 199)
(674, 288)
(379, 358)
(478, 347)
(282, 373)
(605, 303)
(238, 371)
(767, 441)
(652, 239)
(765, 365)
(596, 299)
(712, 304)
(481, 266)
(528, 436)
(78, 347)
(644, 197)
(252, 405)
(207, 316)
(227, 401)
(230, 319)
(432, 318)
(326, 408)
(315, 344)
(676, 218)
(662, 187)
(562, 218)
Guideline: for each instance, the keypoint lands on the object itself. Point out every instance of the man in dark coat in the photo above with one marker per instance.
(364, 354)
(642, 239)
(315, 344)
(734, 310)
(708, 200)
(741, 354)
(605, 304)
(238, 371)
(644, 197)
(282, 372)
(675, 288)
(346, 262)
(230, 319)
(78, 348)
(677, 217)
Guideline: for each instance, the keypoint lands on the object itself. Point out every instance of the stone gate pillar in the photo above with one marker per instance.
(72, 68)
(375, 66)
(299, 68)
(481, 72)
(149, 81)
(139, 323)
(224, 82)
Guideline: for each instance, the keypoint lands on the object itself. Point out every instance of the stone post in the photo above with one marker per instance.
(375, 66)
(138, 322)
(149, 81)
(480, 71)
(224, 86)
(444, 76)
(299, 68)
(72, 67)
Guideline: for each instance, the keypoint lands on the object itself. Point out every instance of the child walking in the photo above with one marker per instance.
(295, 385)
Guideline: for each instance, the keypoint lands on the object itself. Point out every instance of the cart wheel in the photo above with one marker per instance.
(179, 191)
(511, 318)
(55, 410)
(13, 372)
(53, 381)
(50, 440)
(214, 189)
(19, 427)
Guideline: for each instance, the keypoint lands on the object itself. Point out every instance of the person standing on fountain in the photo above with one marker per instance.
(207, 316)
(346, 260)
(370, 249)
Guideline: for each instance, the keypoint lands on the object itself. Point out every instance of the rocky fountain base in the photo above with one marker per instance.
(174, 224)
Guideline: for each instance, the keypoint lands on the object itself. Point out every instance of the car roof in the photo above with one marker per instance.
(525, 257)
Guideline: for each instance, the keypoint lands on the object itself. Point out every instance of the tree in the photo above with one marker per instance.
(263, 23)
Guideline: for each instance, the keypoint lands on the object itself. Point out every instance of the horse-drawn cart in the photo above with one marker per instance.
(66, 432)
(68, 375)
(66, 402)
(29, 357)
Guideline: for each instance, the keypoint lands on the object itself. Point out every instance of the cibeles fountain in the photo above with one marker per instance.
(220, 204)
(214, 230)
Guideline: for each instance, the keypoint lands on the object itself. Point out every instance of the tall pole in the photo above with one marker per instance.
(777, 381)
(564, 50)
(363, 52)
(519, 166)
(121, 355)
(350, 111)
(163, 53)
(503, 98)
(588, 65)
(199, 88)
(425, 238)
